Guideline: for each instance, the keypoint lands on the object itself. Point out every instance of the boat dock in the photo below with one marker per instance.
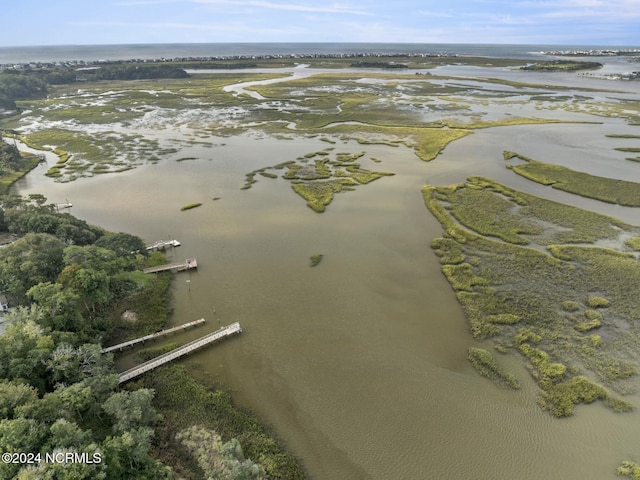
(61, 206)
(219, 334)
(162, 245)
(152, 336)
(188, 264)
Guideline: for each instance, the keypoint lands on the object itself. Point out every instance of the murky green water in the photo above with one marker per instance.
(359, 364)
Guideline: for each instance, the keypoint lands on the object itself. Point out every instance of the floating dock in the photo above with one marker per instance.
(220, 334)
(162, 245)
(152, 336)
(188, 264)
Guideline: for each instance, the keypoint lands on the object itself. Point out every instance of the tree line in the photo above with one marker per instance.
(33, 83)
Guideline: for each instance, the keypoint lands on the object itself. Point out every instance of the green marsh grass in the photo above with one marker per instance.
(485, 365)
(315, 259)
(317, 180)
(600, 188)
(633, 243)
(189, 206)
(8, 178)
(542, 301)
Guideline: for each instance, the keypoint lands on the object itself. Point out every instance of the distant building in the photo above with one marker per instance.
(4, 304)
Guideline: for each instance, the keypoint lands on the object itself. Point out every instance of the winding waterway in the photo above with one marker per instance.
(359, 364)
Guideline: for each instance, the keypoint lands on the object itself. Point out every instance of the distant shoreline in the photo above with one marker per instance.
(87, 64)
(223, 58)
(92, 53)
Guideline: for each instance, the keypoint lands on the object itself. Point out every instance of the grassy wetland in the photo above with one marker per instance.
(568, 310)
(524, 290)
(600, 188)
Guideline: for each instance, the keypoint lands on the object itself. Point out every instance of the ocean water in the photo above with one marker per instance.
(55, 53)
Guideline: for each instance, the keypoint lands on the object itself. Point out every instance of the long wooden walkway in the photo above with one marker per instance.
(223, 332)
(188, 264)
(152, 336)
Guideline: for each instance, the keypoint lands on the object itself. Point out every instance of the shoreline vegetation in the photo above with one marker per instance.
(14, 164)
(485, 364)
(561, 66)
(85, 289)
(608, 190)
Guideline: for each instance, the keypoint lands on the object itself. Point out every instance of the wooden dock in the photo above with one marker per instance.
(188, 264)
(162, 245)
(62, 206)
(223, 332)
(152, 336)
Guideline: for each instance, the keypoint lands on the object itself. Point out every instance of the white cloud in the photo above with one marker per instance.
(291, 7)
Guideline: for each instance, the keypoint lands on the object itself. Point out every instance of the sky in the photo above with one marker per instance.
(89, 22)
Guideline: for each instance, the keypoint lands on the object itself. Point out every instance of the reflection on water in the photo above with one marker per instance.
(359, 363)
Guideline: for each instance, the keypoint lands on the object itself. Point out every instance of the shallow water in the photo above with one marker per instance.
(359, 364)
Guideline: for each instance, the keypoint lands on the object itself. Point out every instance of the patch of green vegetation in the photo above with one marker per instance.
(318, 194)
(268, 175)
(503, 319)
(597, 302)
(189, 206)
(570, 306)
(491, 209)
(496, 217)
(449, 251)
(561, 66)
(486, 366)
(318, 180)
(605, 189)
(14, 165)
(93, 154)
(150, 353)
(315, 259)
(151, 305)
(628, 149)
(593, 320)
(184, 402)
(633, 243)
(629, 469)
(532, 299)
(462, 277)
(622, 135)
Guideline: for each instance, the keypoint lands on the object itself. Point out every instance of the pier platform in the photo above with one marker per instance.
(219, 334)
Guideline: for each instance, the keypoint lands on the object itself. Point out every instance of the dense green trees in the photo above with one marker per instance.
(58, 392)
(219, 460)
(34, 258)
(136, 72)
(10, 158)
(123, 244)
(32, 215)
(33, 82)
(16, 85)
